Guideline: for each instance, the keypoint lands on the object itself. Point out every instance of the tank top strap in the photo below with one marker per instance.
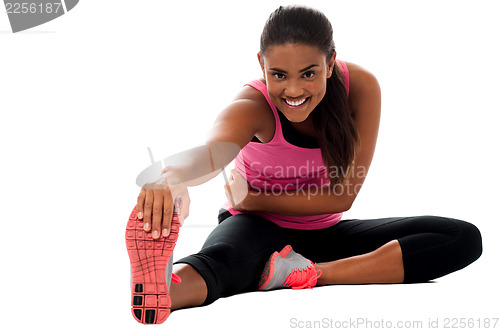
(257, 84)
(345, 73)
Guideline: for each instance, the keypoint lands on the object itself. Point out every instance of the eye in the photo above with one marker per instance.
(279, 76)
(309, 74)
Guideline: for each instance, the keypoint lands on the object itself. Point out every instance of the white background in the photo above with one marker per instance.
(83, 96)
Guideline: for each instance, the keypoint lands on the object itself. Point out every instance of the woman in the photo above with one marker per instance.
(308, 132)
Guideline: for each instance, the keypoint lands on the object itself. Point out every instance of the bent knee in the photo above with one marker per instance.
(469, 240)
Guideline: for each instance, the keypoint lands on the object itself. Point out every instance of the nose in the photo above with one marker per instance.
(294, 90)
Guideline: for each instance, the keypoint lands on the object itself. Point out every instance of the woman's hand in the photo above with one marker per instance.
(155, 205)
(237, 191)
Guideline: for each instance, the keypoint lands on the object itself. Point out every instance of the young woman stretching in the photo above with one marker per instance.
(307, 133)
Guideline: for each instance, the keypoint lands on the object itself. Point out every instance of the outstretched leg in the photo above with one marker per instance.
(230, 261)
(191, 292)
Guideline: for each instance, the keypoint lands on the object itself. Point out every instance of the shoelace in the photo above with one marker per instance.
(303, 278)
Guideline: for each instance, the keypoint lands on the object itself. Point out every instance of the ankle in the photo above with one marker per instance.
(191, 292)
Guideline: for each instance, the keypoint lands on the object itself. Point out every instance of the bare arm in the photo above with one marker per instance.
(235, 126)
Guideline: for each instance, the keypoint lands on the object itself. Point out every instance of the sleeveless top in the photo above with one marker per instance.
(278, 167)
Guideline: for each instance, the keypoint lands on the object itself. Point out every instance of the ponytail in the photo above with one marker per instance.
(336, 130)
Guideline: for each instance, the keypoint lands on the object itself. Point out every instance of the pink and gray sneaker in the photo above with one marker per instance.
(288, 269)
(151, 265)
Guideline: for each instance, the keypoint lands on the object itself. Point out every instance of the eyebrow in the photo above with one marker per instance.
(300, 71)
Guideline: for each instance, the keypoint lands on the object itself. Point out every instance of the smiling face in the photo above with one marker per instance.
(296, 77)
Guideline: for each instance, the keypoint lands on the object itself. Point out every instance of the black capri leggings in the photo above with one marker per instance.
(234, 254)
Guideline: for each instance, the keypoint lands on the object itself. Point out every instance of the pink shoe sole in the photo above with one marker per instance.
(149, 259)
(268, 272)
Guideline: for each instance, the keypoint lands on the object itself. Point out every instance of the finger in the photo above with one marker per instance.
(168, 207)
(148, 209)
(157, 213)
(140, 203)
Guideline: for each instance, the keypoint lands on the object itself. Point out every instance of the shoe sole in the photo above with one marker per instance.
(268, 272)
(148, 260)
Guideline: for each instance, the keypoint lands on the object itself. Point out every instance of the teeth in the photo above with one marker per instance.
(295, 103)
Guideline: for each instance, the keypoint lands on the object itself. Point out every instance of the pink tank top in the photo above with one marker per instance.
(278, 167)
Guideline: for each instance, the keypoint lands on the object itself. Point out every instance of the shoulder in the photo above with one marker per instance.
(252, 100)
(364, 90)
(361, 80)
(247, 115)
(252, 95)
(258, 107)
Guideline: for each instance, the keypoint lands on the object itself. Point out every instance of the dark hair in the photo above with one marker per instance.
(335, 127)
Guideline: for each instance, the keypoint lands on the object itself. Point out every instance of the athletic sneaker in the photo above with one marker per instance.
(151, 262)
(288, 269)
